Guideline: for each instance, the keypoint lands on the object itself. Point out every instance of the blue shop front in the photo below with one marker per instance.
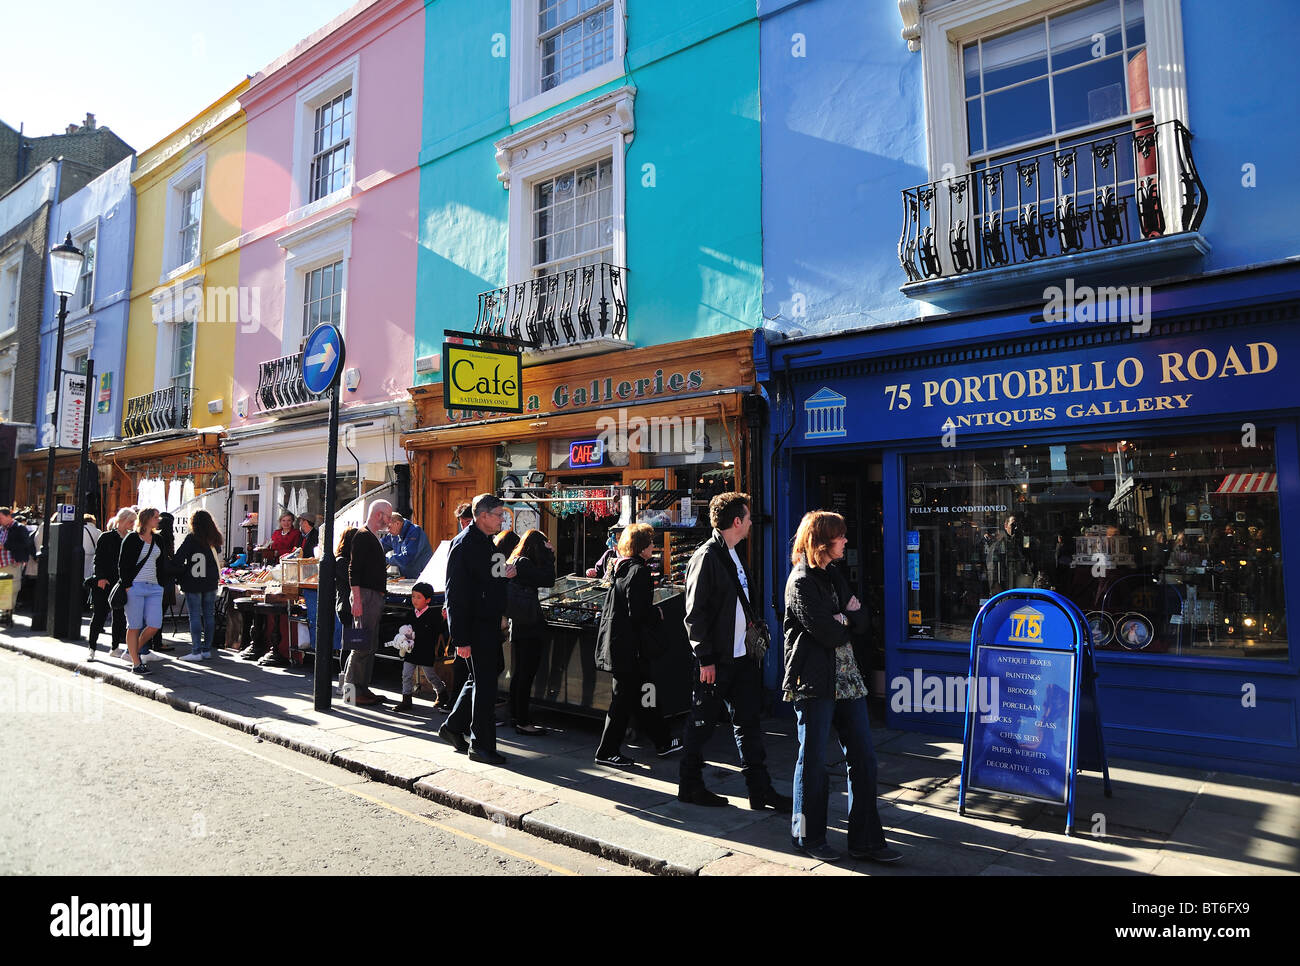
(1149, 470)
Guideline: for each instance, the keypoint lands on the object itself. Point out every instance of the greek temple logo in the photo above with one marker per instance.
(824, 410)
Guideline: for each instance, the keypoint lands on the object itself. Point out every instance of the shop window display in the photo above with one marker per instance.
(1170, 545)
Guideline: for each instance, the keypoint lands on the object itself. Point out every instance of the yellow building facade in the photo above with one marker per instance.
(186, 306)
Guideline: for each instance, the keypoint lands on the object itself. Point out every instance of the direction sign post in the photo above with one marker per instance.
(322, 361)
(1031, 650)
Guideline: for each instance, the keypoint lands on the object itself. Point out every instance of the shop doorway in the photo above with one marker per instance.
(850, 485)
(582, 525)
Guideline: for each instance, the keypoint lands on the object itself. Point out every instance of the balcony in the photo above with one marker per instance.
(570, 313)
(1104, 201)
(157, 412)
(280, 385)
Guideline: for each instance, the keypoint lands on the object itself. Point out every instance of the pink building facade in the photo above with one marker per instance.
(329, 235)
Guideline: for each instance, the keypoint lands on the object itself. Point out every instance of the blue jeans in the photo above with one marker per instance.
(202, 608)
(811, 785)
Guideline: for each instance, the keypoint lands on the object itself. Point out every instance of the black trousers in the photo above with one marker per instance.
(101, 612)
(526, 652)
(738, 687)
(474, 712)
(629, 696)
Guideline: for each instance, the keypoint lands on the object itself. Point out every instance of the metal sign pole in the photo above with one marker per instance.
(324, 671)
(321, 366)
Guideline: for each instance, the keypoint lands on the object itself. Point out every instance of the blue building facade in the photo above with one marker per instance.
(100, 217)
(1030, 294)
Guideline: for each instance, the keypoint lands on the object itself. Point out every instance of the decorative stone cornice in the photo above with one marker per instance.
(556, 135)
(910, 11)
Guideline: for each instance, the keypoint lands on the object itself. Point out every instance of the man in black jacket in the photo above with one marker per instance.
(15, 550)
(476, 602)
(715, 622)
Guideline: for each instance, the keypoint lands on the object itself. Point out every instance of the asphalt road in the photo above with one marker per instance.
(94, 780)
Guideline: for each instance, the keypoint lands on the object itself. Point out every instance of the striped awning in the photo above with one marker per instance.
(1248, 483)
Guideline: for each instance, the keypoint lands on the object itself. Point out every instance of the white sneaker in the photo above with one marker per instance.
(149, 657)
(118, 652)
(192, 657)
(207, 655)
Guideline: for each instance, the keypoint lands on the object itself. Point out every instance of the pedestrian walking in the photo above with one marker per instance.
(16, 548)
(368, 577)
(166, 537)
(824, 681)
(424, 651)
(139, 565)
(476, 604)
(108, 549)
(199, 570)
(629, 638)
(534, 561)
(727, 662)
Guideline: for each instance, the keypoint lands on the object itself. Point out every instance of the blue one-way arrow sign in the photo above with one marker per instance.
(322, 358)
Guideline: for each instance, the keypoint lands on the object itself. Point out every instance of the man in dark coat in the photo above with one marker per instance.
(16, 549)
(727, 676)
(476, 603)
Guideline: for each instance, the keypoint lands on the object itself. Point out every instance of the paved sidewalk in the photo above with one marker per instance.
(1162, 820)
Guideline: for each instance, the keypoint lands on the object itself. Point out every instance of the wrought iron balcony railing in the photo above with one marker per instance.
(280, 385)
(568, 308)
(1084, 197)
(157, 412)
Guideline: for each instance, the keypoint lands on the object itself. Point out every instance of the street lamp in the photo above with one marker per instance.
(65, 271)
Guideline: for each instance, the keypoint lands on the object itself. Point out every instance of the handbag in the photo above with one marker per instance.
(356, 639)
(758, 637)
(117, 594)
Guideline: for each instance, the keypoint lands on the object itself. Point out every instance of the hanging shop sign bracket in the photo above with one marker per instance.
(1032, 684)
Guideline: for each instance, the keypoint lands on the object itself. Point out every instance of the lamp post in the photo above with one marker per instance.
(65, 271)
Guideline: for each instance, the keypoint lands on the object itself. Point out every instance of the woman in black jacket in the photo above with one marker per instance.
(142, 568)
(107, 549)
(823, 680)
(625, 645)
(199, 573)
(534, 560)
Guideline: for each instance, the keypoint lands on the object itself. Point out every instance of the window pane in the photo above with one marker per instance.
(1089, 94)
(1134, 23)
(1170, 545)
(974, 126)
(971, 58)
(1019, 114)
(1077, 34)
(1016, 56)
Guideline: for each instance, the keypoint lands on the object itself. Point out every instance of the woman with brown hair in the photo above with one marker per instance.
(199, 570)
(534, 560)
(823, 680)
(625, 645)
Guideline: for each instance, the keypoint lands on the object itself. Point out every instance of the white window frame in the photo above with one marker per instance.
(526, 95)
(193, 174)
(11, 266)
(170, 306)
(345, 76)
(77, 339)
(8, 363)
(306, 249)
(81, 236)
(532, 244)
(600, 128)
(945, 29)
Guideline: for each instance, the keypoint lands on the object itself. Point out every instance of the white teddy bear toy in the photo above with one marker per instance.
(405, 639)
